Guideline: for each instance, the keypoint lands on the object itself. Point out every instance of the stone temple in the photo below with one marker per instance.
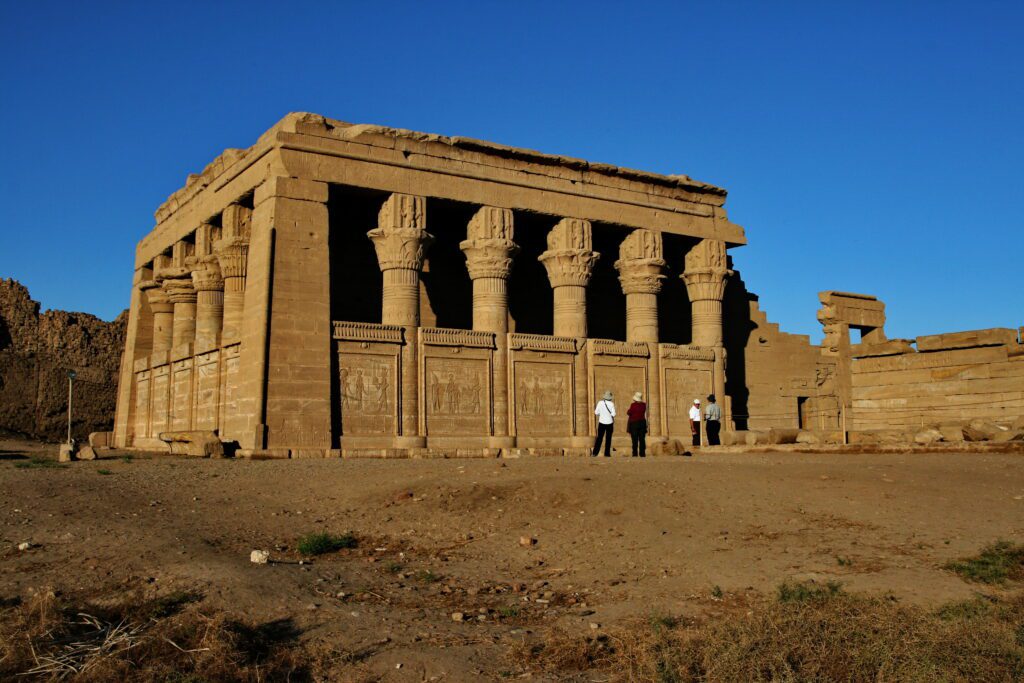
(341, 289)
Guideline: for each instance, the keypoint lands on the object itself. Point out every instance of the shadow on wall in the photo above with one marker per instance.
(530, 301)
(356, 280)
(737, 327)
(673, 301)
(447, 299)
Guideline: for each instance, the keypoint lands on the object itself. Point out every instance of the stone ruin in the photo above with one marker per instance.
(36, 352)
(341, 289)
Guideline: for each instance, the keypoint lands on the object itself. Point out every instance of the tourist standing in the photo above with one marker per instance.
(605, 412)
(637, 425)
(695, 421)
(712, 421)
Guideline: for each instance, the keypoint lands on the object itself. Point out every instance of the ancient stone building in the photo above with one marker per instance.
(350, 288)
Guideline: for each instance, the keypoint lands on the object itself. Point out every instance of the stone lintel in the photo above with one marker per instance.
(995, 336)
(291, 188)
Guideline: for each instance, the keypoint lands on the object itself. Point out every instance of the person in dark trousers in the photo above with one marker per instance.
(637, 425)
(605, 412)
(695, 421)
(712, 421)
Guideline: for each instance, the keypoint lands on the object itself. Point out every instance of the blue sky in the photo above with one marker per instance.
(871, 147)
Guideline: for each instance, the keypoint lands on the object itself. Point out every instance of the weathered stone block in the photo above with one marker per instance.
(995, 336)
(66, 453)
(194, 443)
(86, 453)
(100, 439)
(928, 436)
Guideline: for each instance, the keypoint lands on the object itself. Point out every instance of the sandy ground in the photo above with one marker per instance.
(615, 539)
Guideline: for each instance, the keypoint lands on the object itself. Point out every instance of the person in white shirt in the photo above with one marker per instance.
(605, 412)
(695, 421)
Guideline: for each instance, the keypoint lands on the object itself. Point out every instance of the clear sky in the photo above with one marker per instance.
(871, 147)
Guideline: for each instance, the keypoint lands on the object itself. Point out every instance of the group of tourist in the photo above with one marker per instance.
(636, 423)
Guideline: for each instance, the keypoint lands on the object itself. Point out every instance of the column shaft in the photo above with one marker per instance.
(401, 297)
(234, 305)
(570, 310)
(569, 261)
(490, 304)
(209, 316)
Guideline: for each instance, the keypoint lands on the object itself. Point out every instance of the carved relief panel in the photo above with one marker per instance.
(230, 389)
(684, 381)
(457, 396)
(181, 394)
(543, 397)
(623, 381)
(142, 381)
(160, 389)
(368, 388)
(207, 390)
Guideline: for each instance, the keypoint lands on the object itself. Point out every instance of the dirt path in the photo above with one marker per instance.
(614, 539)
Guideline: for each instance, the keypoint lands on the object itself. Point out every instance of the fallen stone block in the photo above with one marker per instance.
(100, 439)
(67, 453)
(928, 436)
(1009, 435)
(952, 432)
(808, 437)
(755, 438)
(779, 436)
(667, 447)
(86, 453)
(981, 430)
(194, 443)
(735, 438)
(880, 437)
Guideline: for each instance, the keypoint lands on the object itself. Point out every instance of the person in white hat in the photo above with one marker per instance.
(636, 425)
(605, 412)
(695, 421)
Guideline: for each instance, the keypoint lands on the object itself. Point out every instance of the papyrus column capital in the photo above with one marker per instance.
(400, 237)
(570, 256)
(489, 248)
(207, 277)
(640, 263)
(706, 271)
(156, 296)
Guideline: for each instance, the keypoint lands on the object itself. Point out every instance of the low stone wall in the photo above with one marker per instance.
(954, 377)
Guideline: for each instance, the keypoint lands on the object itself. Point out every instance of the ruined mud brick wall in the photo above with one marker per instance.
(36, 351)
(952, 377)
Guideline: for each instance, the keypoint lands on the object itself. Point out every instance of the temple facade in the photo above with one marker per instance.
(341, 288)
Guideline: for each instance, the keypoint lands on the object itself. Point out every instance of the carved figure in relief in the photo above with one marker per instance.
(366, 394)
(454, 395)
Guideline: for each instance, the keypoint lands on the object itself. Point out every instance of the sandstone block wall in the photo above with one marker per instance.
(952, 377)
(36, 351)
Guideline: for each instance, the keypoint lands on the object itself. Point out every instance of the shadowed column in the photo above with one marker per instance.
(163, 314)
(177, 284)
(489, 251)
(569, 261)
(232, 251)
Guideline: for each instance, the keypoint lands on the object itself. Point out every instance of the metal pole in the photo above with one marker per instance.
(71, 380)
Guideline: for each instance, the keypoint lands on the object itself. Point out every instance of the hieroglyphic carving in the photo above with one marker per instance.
(543, 398)
(368, 386)
(456, 395)
(142, 380)
(542, 342)
(229, 395)
(676, 351)
(181, 394)
(207, 390)
(444, 336)
(367, 332)
(619, 348)
(159, 388)
(682, 385)
(623, 382)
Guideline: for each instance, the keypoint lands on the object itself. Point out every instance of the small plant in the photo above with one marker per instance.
(808, 591)
(717, 592)
(127, 458)
(844, 561)
(394, 567)
(997, 563)
(508, 612)
(965, 609)
(322, 542)
(103, 472)
(427, 576)
(663, 621)
(40, 463)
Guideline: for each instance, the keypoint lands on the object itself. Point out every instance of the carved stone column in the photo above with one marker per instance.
(489, 251)
(569, 260)
(400, 239)
(163, 314)
(177, 284)
(232, 251)
(209, 286)
(705, 275)
(639, 265)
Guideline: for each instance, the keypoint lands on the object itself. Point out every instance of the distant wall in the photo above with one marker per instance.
(950, 377)
(37, 350)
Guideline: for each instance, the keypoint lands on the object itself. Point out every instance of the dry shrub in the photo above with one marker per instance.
(157, 640)
(827, 637)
